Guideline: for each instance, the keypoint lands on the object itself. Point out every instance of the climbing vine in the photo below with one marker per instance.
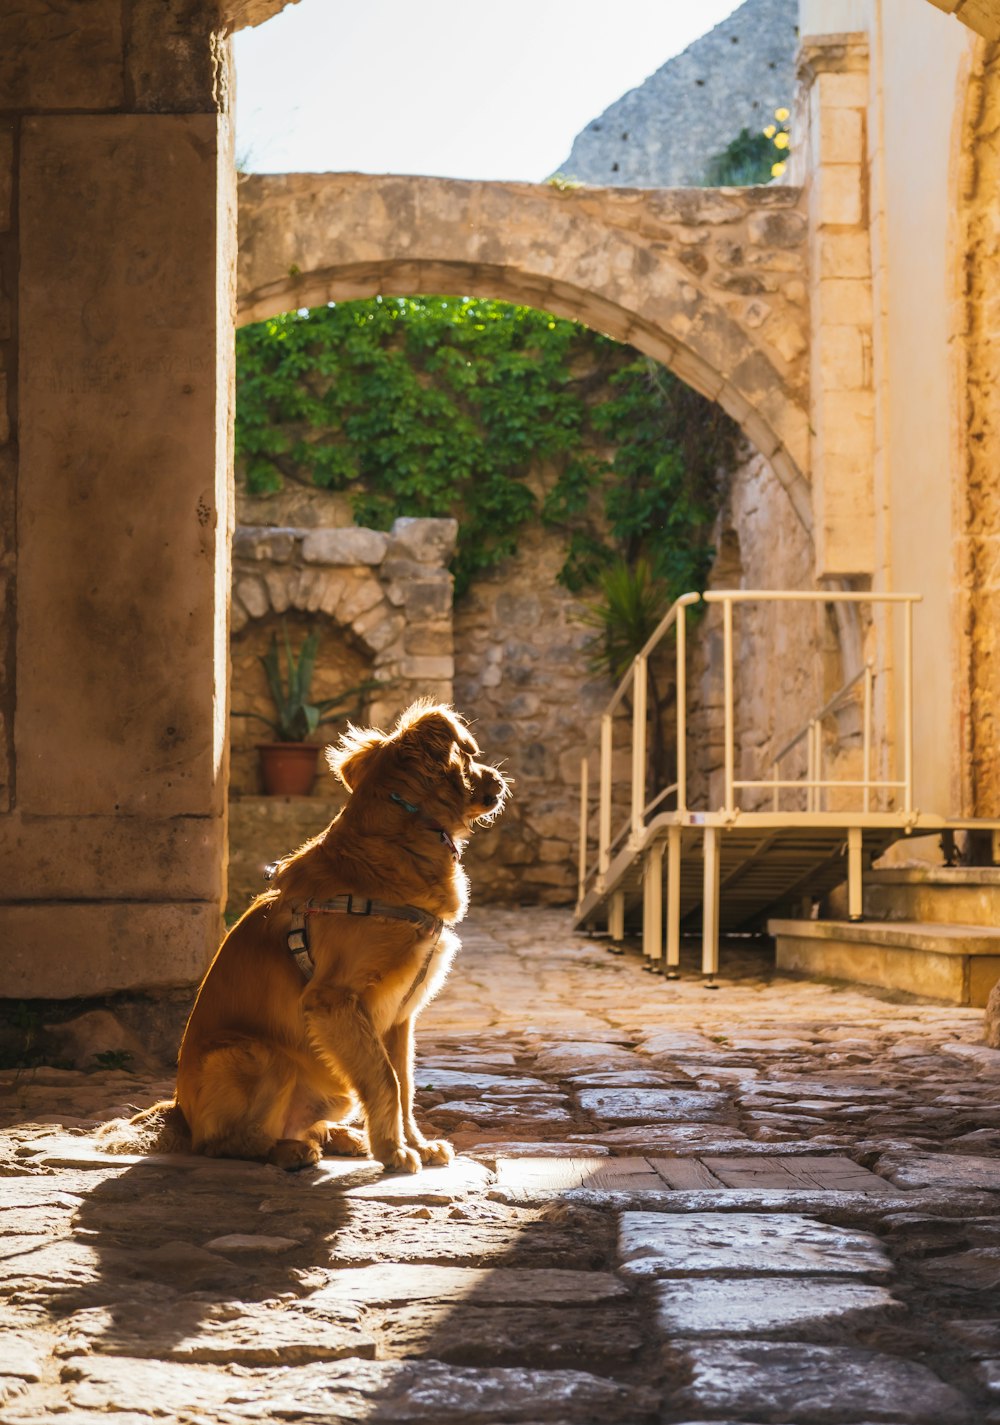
(493, 413)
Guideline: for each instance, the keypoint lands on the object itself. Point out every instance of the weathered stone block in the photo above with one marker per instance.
(76, 858)
(253, 595)
(114, 947)
(770, 229)
(842, 355)
(839, 196)
(424, 668)
(762, 1306)
(654, 1105)
(279, 590)
(844, 301)
(259, 542)
(699, 1244)
(345, 546)
(6, 171)
(428, 599)
(826, 1385)
(839, 137)
(844, 255)
(119, 263)
(378, 628)
(174, 62)
(428, 541)
(841, 91)
(389, 1283)
(61, 54)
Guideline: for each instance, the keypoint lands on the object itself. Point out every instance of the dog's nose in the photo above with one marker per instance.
(488, 798)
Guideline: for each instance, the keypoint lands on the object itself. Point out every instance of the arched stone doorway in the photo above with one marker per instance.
(711, 283)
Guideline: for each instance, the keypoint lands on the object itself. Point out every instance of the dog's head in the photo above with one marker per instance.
(428, 765)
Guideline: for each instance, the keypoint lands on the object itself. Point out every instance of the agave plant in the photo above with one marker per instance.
(297, 716)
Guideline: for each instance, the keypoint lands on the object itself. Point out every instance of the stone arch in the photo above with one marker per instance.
(709, 282)
(389, 593)
(976, 374)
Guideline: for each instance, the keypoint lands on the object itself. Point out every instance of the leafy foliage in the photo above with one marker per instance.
(745, 160)
(297, 717)
(435, 406)
(752, 158)
(633, 601)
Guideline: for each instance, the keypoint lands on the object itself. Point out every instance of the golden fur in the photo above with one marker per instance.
(273, 1067)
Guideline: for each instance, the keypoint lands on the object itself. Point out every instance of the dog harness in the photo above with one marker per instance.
(298, 932)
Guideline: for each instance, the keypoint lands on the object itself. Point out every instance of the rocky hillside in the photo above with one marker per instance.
(662, 134)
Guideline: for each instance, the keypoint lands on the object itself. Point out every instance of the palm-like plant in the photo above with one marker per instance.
(633, 603)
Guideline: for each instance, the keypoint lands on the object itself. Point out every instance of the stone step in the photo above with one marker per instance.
(957, 963)
(948, 895)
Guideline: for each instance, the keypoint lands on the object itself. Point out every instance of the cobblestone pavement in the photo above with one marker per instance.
(777, 1202)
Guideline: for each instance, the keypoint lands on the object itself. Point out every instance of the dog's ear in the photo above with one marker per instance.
(354, 754)
(436, 725)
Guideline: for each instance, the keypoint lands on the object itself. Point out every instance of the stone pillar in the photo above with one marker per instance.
(833, 70)
(117, 341)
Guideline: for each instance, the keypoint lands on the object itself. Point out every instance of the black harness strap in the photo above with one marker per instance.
(298, 933)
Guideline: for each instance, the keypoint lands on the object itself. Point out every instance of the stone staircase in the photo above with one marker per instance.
(931, 931)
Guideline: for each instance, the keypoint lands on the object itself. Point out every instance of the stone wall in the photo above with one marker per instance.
(521, 673)
(117, 250)
(388, 596)
(662, 134)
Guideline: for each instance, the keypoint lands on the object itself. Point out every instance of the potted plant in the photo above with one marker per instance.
(288, 764)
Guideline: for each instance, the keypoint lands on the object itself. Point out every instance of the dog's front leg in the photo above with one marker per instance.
(341, 1029)
(399, 1047)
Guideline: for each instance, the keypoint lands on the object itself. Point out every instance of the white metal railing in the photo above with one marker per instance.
(811, 732)
(815, 784)
(635, 682)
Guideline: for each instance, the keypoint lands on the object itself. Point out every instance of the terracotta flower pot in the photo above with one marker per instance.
(288, 769)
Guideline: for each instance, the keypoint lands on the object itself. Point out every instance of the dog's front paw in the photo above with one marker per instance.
(396, 1158)
(293, 1154)
(341, 1139)
(438, 1151)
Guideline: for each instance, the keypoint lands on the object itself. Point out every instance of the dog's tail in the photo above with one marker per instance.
(160, 1129)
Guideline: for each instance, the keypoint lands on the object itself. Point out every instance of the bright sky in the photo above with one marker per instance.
(455, 88)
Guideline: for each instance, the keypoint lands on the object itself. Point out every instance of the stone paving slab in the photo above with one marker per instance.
(627, 1106)
(352, 1390)
(953, 1170)
(765, 1306)
(696, 1244)
(605, 1337)
(821, 1385)
(535, 1178)
(388, 1283)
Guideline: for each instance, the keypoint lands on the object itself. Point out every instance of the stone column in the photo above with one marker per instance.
(833, 70)
(117, 342)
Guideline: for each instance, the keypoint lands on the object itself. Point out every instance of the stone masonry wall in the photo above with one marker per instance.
(521, 674)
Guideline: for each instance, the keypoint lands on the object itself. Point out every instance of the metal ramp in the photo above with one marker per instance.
(732, 869)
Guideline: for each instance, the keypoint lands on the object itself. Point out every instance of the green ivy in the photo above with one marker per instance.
(434, 406)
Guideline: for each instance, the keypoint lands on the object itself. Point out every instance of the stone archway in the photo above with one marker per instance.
(711, 283)
(976, 342)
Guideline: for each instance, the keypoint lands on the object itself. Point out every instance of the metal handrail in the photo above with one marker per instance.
(636, 680)
(814, 782)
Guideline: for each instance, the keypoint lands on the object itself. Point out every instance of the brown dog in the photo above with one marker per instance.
(307, 1010)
